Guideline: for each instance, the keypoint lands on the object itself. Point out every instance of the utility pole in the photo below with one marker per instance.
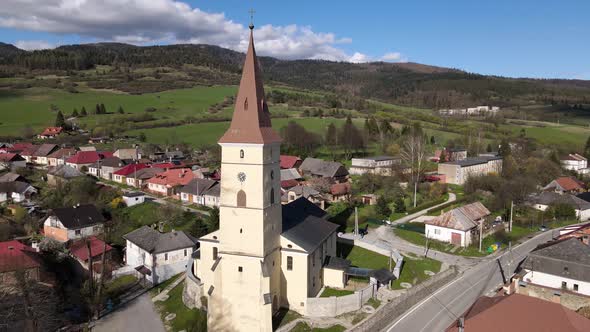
(415, 191)
(480, 234)
(356, 221)
(511, 208)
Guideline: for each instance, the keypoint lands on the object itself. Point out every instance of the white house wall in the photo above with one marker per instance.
(553, 281)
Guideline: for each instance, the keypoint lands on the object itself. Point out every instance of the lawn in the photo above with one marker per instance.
(413, 270)
(361, 257)
(328, 292)
(118, 286)
(284, 317)
(186, 319)
(303, 327)
(157, 289)
(130, 218)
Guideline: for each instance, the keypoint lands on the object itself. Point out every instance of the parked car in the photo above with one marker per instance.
(543, 228)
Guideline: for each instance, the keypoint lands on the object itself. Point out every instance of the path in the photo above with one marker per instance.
(139, 315)
(163, 295)
(410, 217)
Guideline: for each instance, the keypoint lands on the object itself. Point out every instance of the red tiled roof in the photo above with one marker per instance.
(30, 150)
(340, 188)
(286, 184)
(288, 161)
(164, 165)
(130, 169)
(569, 183)
(15, 255)
(79, 249)
(6, 157)
(21, 146)
(50, 131)
(518, 313)
(173, 177)
(84, 157)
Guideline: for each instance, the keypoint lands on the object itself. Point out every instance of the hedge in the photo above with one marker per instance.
(426, 205)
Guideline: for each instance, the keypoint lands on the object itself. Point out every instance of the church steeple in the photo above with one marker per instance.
(251, 118)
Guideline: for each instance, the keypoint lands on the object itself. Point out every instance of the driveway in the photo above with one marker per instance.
(138, 315)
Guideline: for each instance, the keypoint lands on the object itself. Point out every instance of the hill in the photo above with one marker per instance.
(181, 66)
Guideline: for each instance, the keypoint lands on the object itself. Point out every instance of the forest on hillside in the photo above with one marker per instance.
(398, 83)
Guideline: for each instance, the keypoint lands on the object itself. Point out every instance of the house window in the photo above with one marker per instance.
(289, 263)
(166, 256)
(184, 252)
(565, 269)
(564, 284)
(575, 287)
(241, 198)
(437, 231)
(78, 232)
(313, 259)
(272, 196)
(214, 253)
(240, 269)
(242, 154)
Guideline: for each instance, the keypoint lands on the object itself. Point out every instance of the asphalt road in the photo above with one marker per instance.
(139, 315)
(441, 309)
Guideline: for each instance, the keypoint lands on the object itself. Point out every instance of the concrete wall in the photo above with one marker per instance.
(162, 269)
(444, 234)
(553, 281)
(338, 305)
(334, 278)
(570, 300)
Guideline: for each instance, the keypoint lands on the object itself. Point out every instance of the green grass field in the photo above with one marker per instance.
(186, 319)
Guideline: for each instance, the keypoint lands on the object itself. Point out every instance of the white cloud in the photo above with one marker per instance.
(359, 57)
(392, 56)
(30, 45)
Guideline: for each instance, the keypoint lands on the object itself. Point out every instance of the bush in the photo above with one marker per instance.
(427, 205)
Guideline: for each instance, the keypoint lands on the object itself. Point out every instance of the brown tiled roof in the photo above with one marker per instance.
(462, 218)
(520, 313)
(569, 183)
(251, 119)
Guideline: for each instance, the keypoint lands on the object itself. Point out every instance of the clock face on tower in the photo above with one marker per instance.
(241, 176)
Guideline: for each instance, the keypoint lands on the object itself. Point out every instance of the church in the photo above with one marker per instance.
(265, 255)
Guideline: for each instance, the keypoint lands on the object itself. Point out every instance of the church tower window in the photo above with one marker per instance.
(242, 154)
(246, 104)
(241, 198)
(272, 196)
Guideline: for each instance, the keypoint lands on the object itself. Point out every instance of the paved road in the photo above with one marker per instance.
(138, 315)
(439, 310)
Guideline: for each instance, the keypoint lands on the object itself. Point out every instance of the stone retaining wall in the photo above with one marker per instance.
(192, 291)
(337, 305)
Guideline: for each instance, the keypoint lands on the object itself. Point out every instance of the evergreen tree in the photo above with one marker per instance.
(331, 138)
(83, 111)
(504, 150)
(59, 120)
(103, 110)
(120, 110)
(75, 113)
(97, 109)
(587, 148)
(382, 207)
(400, 205)
(432, 140)
(142, 137)
(489, 148)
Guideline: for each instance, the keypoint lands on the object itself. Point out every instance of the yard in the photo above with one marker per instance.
(328, 292)
(186, 319)
(303, 327)
(119, 286)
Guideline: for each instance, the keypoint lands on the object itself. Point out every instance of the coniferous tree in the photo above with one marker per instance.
(587, 148)
(120, 110)
(75, 113)
(59, 120)
(83, 111)
(103, 109)
(382, 207)
(97, 109)
(505, 150)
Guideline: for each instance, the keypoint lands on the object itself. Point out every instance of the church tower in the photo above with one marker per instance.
(246, 290)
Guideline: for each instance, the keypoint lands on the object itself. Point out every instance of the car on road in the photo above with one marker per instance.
(543, 228)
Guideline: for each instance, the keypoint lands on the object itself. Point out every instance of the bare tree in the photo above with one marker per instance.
(413, 155)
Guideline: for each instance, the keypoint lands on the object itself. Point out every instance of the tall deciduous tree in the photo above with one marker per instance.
(350, 138)
(413, 155)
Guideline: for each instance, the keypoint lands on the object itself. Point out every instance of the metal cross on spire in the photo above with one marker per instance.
(252, 12)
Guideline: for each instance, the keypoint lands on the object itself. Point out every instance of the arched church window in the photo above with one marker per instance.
(242, 154)
(241, 198)
(246, 104)
(272, 175)
(272, 196)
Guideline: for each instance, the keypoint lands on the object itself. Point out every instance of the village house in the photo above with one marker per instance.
(319, 168)
(303, 191)
(168, 182)
(11, 161)
(459, 226)
(50, 132)
(120, 176)
(287, 162)
(563, 264)
(79, 251)
(575, 162)
(62, 174)
(157, 256)
(28, 152)
(340, 192)
(104, 168)
(72, 223)
(457, 172)
(546, 199)
(12, 177)
(137, 179)
(83, 159)
(566, 184)
(518, 313)
(289, 174)
(133, 198)
(380, 165)
(17, 148)
(41, 154)
(15, 256)
(449, 154)
(129, 154)
(59, 157)
(16, 191)
(202, 192)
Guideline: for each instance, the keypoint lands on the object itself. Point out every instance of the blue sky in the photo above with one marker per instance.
(511, 38)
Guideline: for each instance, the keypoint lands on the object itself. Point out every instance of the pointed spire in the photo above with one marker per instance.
(251, 119)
